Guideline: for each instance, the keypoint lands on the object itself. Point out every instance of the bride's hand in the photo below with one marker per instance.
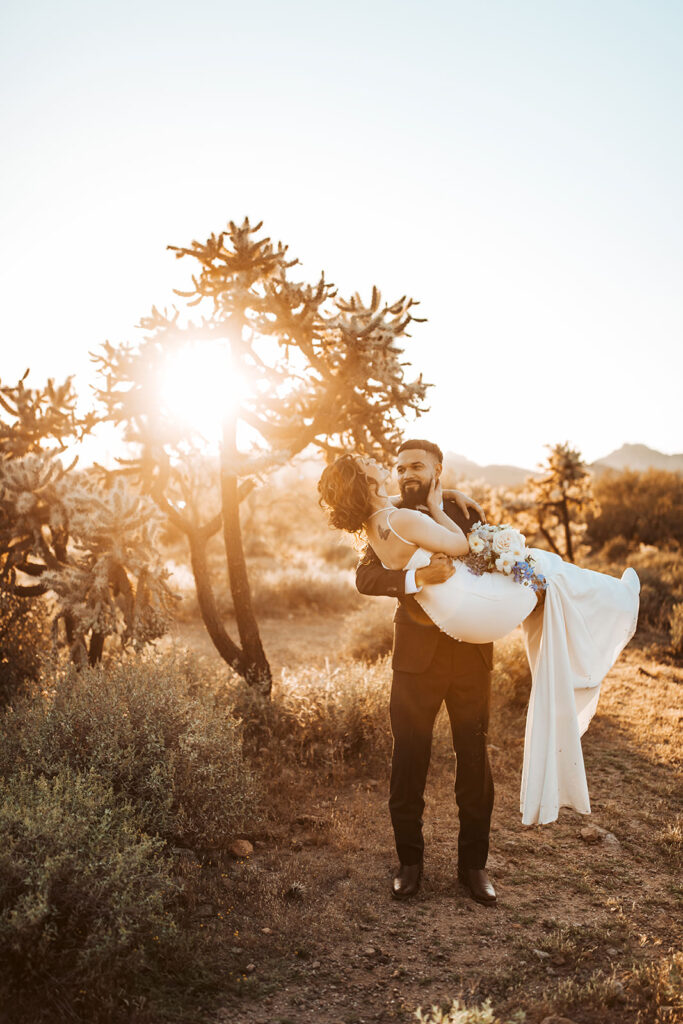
(468, 506)
(435, 496)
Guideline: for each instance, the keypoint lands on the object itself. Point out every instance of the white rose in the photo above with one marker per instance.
(476, 543)
(505, 563)
(508, 541)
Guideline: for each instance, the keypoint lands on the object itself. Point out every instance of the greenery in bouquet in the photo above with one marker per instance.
(503, 549)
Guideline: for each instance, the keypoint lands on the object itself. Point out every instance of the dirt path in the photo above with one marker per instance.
(581, 929)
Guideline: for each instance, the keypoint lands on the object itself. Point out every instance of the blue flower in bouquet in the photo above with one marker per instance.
(503, 549)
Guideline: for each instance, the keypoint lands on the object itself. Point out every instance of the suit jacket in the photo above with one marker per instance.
(415, 635)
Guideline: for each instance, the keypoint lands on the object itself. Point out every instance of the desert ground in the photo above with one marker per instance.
(587, 925)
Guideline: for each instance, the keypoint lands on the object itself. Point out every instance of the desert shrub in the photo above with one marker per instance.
(644, 993)
(661, 578)
(281, 592)
(459, 1013)
(669, 840)
(511, 676)
(643, 508)
(24, 638)
(370, 631)
(676, 627)
(155, 731)
(282, 513)
(341, 555)
(661, 583)
(616, 549)
(84, 898)
(317, 717)
(659, 985)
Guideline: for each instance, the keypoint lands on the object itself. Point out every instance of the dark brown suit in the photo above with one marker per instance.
(429, 668)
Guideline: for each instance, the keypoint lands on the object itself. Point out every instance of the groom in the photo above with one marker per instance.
(428, 668)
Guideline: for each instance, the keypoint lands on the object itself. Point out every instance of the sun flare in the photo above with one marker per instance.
(199, 385)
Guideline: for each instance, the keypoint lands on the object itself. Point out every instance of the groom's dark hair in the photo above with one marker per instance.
(425, 446)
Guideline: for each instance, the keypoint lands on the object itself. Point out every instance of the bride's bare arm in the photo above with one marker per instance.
(419, 529)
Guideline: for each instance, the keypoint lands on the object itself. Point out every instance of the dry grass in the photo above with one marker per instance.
(322, 718)
(369, 633)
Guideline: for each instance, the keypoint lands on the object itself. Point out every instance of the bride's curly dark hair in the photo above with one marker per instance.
(345, 494)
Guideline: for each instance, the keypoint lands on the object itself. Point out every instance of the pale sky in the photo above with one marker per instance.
(516, 166)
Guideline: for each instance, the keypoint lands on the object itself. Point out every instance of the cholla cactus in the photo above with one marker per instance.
(41, 417)
(114, 582)
(563, 496)
(316, 370)
(32, 515)
(92, 547)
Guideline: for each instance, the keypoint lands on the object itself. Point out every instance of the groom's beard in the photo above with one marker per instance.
(414, 494)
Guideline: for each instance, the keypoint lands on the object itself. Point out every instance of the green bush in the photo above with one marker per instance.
(85, 898)
(153, 730)
(24, 639)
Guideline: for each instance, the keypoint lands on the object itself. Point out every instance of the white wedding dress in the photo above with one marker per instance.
(572, 641)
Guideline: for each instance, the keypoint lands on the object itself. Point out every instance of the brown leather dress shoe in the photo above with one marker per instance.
(479, 885)
(407, 881)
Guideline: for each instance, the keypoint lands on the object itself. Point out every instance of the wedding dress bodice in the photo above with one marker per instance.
(476, 609)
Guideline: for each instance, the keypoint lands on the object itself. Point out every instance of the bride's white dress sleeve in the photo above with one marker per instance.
(571, 641)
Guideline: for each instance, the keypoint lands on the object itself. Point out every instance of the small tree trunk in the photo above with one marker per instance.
(257, 672)
(228, 650)
(546, 533)
(96, 648)
(567, 529)
(60, 545)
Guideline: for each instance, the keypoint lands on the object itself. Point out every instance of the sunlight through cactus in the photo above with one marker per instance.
(313, 369)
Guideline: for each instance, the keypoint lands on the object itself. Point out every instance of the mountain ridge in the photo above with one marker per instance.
(637, 457)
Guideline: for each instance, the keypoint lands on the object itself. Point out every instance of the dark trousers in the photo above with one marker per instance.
(465, 686)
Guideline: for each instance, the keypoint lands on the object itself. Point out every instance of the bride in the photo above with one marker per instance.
(575, 624)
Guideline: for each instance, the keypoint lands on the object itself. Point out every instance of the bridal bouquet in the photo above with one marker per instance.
(502, 549)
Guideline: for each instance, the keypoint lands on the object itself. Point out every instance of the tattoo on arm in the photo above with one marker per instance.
(383, 533)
